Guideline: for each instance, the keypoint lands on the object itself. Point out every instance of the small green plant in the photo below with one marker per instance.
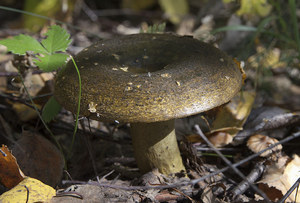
(156, 28)
(276, 26)
(50, 52)
(49, 55)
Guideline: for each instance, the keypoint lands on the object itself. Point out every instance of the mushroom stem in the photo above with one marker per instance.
(155, 146)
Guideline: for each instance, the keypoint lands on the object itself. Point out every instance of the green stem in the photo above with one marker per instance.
(78, 106)
(44, 123)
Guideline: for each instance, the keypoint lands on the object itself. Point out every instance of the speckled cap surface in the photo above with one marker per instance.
(148, 78)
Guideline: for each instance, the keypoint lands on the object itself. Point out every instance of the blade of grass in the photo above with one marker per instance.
(78, 106)
(282, 22)
(261, 26)
(292, 6)
(260, 29)
(234, 28)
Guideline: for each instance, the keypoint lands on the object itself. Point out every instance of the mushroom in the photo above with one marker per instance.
(148, 80)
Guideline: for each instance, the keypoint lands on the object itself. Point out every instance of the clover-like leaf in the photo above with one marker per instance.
(22, 43)
(51, 62)
(57, 39)
(48, 59)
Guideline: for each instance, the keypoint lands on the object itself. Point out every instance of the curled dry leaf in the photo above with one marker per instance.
(219, 139)
(279, 178)
(231, 118)
(10, 173)
(259, 142)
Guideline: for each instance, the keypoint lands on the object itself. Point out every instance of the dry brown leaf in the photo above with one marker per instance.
(10, 173)
(47, 76)
(229, 120)
(259, 142)
(207, 196)
(34, 83)
(280, 178)
(232, 117)
(39, 158)
(219, 139)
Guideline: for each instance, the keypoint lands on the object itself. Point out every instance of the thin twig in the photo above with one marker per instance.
(251, 178)
(14, 74)
(185, 183)
(68, 174)
(89, 12)
(105, 176)
(89, 147)
(16, 99)
(275, 122)
(234, 168)
(27, 193)
(289, 192)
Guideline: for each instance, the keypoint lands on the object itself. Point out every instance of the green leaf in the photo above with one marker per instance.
(51, 62)
(156, 28)
(235, 28)
(50, 110)
(22, 43)
(57, 39)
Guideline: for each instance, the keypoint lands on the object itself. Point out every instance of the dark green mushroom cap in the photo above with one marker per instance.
(148, 78)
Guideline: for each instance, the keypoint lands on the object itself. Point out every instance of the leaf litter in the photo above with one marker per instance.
(108, 156)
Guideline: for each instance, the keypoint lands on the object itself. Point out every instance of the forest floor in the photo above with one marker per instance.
(101, 166)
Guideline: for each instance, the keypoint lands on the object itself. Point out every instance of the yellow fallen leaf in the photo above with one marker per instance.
(254, 7)
(174, 9)
(267, 58)
(56, 9)
(29, 190)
